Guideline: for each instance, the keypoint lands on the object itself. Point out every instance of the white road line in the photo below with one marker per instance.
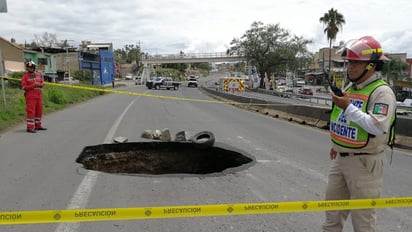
(81, 196)
(264, 161)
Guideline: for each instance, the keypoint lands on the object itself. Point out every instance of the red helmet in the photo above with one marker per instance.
(366, 48)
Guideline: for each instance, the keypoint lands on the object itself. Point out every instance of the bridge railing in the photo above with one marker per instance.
(189, 56)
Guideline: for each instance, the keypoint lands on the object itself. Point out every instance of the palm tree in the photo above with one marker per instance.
(333, 21)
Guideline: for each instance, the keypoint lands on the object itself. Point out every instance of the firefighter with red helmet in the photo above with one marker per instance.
(361, 128)
(31, 83)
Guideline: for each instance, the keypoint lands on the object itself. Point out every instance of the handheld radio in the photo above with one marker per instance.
(336, 90)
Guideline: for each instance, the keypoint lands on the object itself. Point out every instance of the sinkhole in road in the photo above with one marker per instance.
(161, 158)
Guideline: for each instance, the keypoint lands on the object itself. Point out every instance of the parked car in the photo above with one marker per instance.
(405, 107)
(192, 82)
(298, 82)
(284, 88)
(283, 91)
(128, 77)
(306, 91)
(162, 82)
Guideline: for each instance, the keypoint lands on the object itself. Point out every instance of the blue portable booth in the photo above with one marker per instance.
(101, 66)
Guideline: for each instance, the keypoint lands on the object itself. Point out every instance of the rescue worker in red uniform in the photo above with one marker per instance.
(361, 128)
(31, 83)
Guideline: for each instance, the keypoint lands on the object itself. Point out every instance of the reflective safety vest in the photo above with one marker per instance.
(349, 134)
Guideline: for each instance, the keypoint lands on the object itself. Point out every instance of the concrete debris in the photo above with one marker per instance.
(156, 134)
(162, 135)
(183, 136)
(147, 134)
(120, 139)
(165, 135)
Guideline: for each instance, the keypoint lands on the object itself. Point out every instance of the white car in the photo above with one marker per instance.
(192, 82)
(128, 77)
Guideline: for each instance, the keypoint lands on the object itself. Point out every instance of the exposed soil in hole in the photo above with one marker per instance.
(163, 158)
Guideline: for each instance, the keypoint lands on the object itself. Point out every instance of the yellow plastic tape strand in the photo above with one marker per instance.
(122, 92)
(147, 95)
(108, 214)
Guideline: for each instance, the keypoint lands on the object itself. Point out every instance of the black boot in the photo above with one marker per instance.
(31, 131)
(41, 128)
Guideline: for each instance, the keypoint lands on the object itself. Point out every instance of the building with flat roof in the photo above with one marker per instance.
(12, 55)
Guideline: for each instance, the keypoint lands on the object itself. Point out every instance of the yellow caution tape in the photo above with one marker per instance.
(143, 94)
(121, 92)
(109, 214)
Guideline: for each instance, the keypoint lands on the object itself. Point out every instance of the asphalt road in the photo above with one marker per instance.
(39, 172)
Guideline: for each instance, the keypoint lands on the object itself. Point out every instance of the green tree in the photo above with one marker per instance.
(131, 53)
(83, 75)
(181, 67)
(269, 47)
(120, 55)
(396, 69)
(128, 54)
(204, 68)
(332, 21)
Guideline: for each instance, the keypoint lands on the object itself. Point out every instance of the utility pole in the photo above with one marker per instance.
(3, 9)
(67, 59)
(3, 90)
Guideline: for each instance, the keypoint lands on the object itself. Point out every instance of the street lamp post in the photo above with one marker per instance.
(67, 61)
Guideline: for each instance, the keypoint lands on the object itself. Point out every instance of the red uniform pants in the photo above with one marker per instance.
(34, 111)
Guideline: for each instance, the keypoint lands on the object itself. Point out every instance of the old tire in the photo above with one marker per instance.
(204, 139)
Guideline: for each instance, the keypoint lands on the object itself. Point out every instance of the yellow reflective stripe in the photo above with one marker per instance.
(372, 50)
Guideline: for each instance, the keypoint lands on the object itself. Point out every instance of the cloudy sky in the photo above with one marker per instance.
(170, 26)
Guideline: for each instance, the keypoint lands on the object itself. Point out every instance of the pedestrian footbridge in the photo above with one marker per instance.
(191, 58)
